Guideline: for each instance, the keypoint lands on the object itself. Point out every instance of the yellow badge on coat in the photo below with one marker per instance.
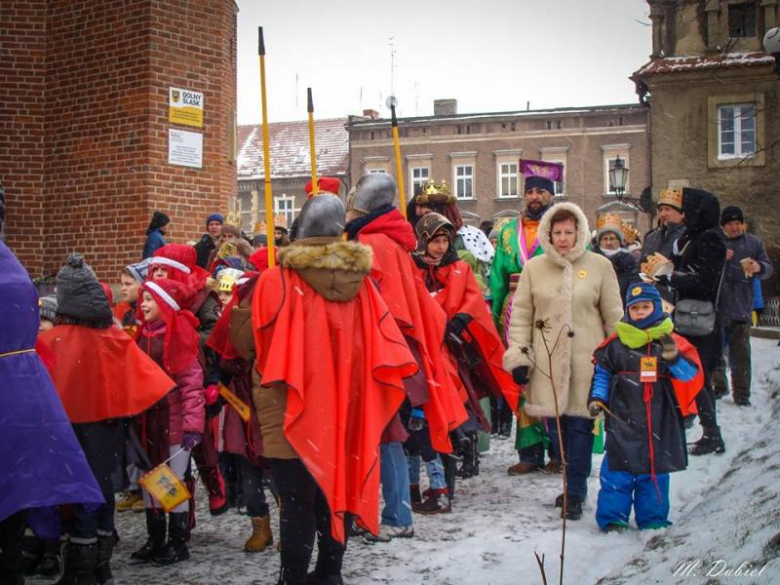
(583, 274)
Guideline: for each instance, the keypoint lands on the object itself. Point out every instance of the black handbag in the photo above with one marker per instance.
(695, 318)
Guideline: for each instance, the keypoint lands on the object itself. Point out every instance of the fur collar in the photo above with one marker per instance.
(326, 253)
(583, 234)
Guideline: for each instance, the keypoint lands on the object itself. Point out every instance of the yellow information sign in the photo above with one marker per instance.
(185, 107)
(242, 408)
(165, 487)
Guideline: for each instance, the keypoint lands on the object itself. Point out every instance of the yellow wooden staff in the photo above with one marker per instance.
(269, 198)
(315, 187)
(398, 165)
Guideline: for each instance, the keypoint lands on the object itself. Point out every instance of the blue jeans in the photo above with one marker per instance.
(620, 489)
(394, 475)
(578, 443)
(433, 469)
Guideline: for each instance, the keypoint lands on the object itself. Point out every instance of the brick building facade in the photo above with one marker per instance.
(477, 154)
(715, 106)
(84, 91)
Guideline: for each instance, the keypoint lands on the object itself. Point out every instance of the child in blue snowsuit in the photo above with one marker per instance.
(633, 383)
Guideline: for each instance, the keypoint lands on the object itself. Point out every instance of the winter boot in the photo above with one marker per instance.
(710, 442)
(105, 550)
(32, 552)
(414, 493)
(129, 500)
(436, 502)
(51, 563)
(176, 549)
(155, 528)
(80, 561)
(470, 466)
(573, 508)
(261, 535)
(215, 484)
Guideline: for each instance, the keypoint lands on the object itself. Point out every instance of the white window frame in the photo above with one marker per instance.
(560, 186)
(737, 130)
(414, 181)
(290, 212)
(608, 158)
(456, 179)
(502, 173)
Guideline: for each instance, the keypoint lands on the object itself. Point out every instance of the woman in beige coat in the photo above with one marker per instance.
(568, 298)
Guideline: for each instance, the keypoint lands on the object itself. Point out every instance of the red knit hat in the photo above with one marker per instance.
(182, 341)
(326, 185)
(181, 263)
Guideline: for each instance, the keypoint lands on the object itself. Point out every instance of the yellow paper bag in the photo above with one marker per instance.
(242, 408)
(165, 487)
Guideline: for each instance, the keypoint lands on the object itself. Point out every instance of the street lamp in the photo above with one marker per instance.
(772, 46)
(618, 177)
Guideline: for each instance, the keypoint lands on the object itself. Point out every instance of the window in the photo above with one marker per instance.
(286, 206)
(464, 181)
(559, 155)
(507, 180)
(736, 130)
(742, 20)
(558, 184)
(420, 177)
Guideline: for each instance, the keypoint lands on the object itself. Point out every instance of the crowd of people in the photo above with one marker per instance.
(375, 340)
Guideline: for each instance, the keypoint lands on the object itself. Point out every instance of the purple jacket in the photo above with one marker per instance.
(186, 402)
(41, 461)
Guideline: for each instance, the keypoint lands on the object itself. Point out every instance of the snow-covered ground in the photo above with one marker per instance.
(725, 509)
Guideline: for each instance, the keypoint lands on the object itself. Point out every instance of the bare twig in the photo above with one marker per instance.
(540, 562)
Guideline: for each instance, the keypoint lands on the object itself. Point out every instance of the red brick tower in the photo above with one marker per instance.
(84, 124)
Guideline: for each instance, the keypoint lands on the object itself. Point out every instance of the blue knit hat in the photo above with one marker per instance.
(215, 217)
(539, 183)
(641, 291)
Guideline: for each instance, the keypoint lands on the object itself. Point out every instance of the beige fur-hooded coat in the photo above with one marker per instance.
(579, 290)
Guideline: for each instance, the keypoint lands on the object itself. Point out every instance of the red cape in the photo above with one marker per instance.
(102, 374)
(460, 293)
(422, 319)
(343, 364)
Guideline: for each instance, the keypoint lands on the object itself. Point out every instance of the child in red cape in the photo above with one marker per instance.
(331, 363)
(173, 426)
(101, 377)
(471, 335)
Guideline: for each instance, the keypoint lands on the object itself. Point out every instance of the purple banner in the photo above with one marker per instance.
(540, 168)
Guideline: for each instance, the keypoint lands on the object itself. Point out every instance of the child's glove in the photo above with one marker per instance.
(211, 393)
(520, 375)
(595, 408)
(190, 440)
(669, 349)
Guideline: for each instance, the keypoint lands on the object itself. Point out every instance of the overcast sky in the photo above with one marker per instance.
(490, 55)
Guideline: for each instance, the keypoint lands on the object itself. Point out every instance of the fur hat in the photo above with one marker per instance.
(79, 294)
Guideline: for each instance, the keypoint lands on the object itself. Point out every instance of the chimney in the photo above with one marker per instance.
(445, 107)
(371, 114)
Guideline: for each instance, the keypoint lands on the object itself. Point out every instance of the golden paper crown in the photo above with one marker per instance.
(671, 196)
(259, 227)
(630, 233)
(233, 220)
(280, 220)
(433, 193)
(609, 220)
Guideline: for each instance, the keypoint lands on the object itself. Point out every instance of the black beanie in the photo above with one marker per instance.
(79, 294)
(731, 213)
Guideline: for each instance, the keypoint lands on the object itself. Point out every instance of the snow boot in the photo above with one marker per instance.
(176, 549)
(470, 466)
(105, 550)
(414, 493)
(261, 535)
(80, 561)
(615, 527)
(155, 528)
(523, 468)
(435, 503)
(573, 508)
(215, 485)
(129, 501)
(710, 442)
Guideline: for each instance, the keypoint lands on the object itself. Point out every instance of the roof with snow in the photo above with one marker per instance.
(290, 153)
(364, 122)
(701, 62)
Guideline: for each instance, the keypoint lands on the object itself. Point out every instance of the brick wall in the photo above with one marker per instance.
(22, 90)
(98, 165)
